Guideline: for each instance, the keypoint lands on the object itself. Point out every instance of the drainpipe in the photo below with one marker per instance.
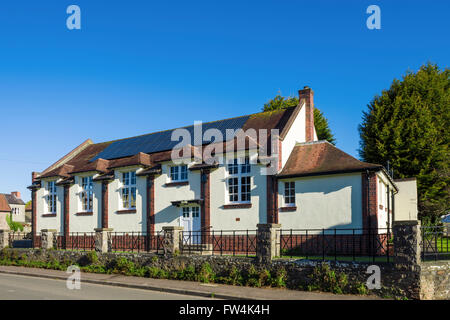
(368, 199)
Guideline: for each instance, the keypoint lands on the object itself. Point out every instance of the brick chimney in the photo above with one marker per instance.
(307, 95)
(16, 194)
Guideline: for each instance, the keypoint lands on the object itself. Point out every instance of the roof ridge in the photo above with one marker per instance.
(166, 130)
(327, 142)
(313, 142)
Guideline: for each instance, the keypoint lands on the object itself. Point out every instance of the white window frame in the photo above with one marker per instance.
(51, 197)
(289, 193)
(180, 175)
(190, 212)
(239, 169)
(128, 179)
(87, 182)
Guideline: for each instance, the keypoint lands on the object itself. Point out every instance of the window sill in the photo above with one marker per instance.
(86, 213)
(126, 211)
(48, 215)
(288, 209)
(177, 183)
(237, 206)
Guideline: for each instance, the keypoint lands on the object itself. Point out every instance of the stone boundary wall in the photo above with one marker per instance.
(396, 281)
(435, 280)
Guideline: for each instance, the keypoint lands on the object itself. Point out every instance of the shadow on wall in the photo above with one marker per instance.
(262, 204)
(170, 214)
(167, 216)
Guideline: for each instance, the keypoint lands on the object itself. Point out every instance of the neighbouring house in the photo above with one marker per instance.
(28, 213)
(11, 205)
(5, 210)
(133, 184)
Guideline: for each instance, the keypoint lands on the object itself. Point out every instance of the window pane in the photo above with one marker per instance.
(133, 178)
(185, 212)
(233, 189)
(183, 172)
(233, 167)
(125, 197)
(245, 166)
(245, 188)
(174, 173)
(133, 198)
(126, 178)
(195, 212)
(289, 192)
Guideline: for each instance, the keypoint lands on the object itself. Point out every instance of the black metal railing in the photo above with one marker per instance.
(219, 242)
(435, 244)
(136, 241)
(343, 244)
(83, 241)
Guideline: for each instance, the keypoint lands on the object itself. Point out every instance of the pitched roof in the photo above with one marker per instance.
(321, 157)
(11, 199)
(150, 149)
(4, 206)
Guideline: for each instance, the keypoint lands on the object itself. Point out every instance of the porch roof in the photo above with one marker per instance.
(180, 203)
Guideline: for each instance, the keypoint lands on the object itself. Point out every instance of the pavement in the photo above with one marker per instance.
(178, 287)
(18, 287)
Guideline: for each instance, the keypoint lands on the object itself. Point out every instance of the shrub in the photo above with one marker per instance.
(13, 225)
(257, 278)
(124, 266)
(206, 273)
(279, 278)
(92, 257)
(151, 272)
(361, 288)
(187, 273)
(233, 277)
(325, 279)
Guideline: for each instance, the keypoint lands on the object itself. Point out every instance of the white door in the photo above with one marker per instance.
(190, 221)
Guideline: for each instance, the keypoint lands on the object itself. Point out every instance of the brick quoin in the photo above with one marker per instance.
(150, 205)
(33, 214)
(34, 176)
(272, 199)
(307, 94)
(105, 204)
(66, 216)
(370, 209)
(272, 186)
(205, 193)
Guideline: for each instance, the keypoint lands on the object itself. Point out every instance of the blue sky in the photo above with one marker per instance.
(140, 66)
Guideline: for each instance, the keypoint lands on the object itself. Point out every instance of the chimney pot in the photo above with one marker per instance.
(16, 194)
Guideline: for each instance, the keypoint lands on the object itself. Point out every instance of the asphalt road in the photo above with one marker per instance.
(15, 287)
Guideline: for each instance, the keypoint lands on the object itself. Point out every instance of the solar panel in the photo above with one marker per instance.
(161, 141)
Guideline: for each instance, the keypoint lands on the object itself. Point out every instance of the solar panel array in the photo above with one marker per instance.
(161, 141)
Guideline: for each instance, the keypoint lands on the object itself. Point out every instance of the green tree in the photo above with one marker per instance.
(408, 125)
(13, 225)
(320, 122)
